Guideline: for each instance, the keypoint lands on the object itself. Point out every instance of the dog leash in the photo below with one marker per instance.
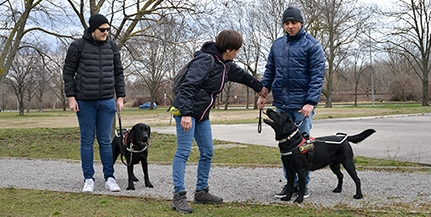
(121, 137)
(259, 123)
(300, 123)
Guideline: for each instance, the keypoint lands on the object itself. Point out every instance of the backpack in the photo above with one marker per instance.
(181, 75)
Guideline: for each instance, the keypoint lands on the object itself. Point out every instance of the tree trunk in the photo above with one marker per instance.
(425, 98)
(328, 103)
(356, 94)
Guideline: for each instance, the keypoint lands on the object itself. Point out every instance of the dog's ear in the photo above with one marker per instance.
(149, 132)
(132, 132)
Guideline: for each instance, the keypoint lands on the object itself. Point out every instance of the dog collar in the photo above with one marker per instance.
(136, 151)
(289, 137)
(131, 145)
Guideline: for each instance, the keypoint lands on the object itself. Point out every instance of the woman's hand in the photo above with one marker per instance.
(186, 123)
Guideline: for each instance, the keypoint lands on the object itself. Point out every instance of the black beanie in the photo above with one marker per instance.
(292, 13)
(95, 21)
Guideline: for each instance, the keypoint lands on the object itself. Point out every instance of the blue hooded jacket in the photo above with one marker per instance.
(295, 71)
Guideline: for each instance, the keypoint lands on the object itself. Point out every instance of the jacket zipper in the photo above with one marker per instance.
(219, 90)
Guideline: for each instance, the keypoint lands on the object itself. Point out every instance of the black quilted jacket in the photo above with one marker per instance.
(201, 86)
(95, 72)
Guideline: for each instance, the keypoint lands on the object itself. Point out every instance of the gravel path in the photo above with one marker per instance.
(239, 184)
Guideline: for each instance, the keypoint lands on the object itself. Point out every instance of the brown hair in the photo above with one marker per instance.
(229, 40)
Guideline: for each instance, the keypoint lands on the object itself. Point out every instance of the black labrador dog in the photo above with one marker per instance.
(134, 148)
(299, 153)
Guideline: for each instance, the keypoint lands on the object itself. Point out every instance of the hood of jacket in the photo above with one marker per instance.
(211, 48)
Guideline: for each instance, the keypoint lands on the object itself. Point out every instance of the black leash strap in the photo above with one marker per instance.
(259, 124)
(300, 123)
(122, 139)
(119, 123)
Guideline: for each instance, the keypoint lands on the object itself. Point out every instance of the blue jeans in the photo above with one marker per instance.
(201, 132)
(305, 126)
(95, 118)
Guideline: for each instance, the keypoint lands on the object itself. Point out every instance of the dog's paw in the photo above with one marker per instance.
(358, 196)
(130, 188)
(337, 190)
(149, 185)
(285, 199)
(298, 200)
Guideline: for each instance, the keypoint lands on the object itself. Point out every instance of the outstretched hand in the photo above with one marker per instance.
(262, 98)
(264, 92)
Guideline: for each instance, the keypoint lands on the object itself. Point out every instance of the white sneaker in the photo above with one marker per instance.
(88, 186)
(112, 185)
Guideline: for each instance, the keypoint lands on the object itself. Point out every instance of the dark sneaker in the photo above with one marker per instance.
(282, 193)
(179, 203)
(203, 196)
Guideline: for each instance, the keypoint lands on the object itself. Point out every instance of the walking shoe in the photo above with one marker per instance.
(179, 203)
(203, 196)
(88, 186)
(282, 193)
(296, 190)
(112, 185)
(306, 194)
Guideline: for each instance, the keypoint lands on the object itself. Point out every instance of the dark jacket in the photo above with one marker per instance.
(95, 72)
(295, 71)
(201, 86)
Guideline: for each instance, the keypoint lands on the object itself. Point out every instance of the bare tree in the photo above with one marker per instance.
(14, 21)
(358, 66)
(20, 77)
(152, 57)
(270, 24)
(336, 24)
(246, 16)
(401, 84)
(412, 38)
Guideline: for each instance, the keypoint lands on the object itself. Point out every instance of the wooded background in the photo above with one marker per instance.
(374, 51)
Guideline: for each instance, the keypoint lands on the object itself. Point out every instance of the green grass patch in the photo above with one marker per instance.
(21, 202)
(63, 143)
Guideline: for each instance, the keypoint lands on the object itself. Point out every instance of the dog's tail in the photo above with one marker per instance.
(361, 136)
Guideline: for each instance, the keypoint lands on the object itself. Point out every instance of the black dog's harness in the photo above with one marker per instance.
(306, 146)
(124, 141)
(131, 147)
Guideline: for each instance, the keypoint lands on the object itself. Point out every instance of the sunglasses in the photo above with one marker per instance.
(104, 29)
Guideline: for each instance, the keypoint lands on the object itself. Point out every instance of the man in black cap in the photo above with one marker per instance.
(295, 73)
(93, 76)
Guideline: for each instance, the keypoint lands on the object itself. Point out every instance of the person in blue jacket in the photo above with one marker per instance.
(295, 73)
(192, 104)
